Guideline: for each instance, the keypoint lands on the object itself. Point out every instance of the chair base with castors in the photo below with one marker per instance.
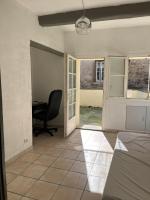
(38, 130)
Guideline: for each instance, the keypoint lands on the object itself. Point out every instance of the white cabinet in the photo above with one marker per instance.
(136, 118)
(114, 115)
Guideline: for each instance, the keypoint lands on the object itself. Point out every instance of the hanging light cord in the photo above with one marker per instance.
(84, 10)
(83, 24)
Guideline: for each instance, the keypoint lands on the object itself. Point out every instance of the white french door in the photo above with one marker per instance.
(116, 77)
(70, 95)
(115, 84)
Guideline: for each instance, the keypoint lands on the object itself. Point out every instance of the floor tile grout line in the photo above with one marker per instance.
(68, 171)
(39, 178)
(75, 159)
(59, 185)
(84, 190)
(21, 195)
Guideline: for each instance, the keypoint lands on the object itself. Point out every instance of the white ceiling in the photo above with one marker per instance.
(40, 7)
(120, 23)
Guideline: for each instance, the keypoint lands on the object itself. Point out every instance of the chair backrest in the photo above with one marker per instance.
(54, 104)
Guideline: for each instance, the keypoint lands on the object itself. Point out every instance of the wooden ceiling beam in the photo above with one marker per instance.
(97, 14)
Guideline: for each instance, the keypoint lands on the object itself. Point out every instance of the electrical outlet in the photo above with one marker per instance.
(26, 140)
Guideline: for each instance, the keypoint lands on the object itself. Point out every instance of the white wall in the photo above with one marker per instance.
(47, 71)
(91, 98)
(104, 42)
(17, 27)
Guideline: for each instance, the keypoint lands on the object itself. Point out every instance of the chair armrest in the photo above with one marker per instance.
(38, 107)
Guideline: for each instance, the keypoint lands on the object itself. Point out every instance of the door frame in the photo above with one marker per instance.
(3, 186)
(78, 63)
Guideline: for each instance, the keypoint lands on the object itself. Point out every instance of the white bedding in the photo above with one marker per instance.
(129, 175)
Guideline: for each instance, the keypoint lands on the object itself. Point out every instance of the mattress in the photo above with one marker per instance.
(129, 174)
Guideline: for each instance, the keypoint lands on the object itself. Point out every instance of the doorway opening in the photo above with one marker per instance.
(47, 69)
(91, 93)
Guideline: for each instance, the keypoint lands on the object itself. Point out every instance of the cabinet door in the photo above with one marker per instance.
(135, 118)
(148, 119)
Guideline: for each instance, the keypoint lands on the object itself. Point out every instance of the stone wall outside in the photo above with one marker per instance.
(88, 75)
(138, 74)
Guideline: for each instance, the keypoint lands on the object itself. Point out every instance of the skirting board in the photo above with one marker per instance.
(17, 156)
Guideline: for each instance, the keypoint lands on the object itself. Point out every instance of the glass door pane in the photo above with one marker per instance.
(70, 66)
(74, 96)
(74, 81)
(74, 109)
(70, 96)
(70, 111)
(72, 87)
(70, 81)
(74, 66)
(138, 78)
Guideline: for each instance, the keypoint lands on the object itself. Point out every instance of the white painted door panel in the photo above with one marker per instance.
(70, 100)
(116, 86)
(117, 66)
(135, 118)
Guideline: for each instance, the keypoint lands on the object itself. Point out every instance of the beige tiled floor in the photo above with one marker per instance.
(58, 168)
(54, 175)
(75, 180)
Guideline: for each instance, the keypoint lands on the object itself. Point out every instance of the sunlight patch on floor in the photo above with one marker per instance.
(74, 168)
(99, 152)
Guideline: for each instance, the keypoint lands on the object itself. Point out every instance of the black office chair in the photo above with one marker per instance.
(48, 113)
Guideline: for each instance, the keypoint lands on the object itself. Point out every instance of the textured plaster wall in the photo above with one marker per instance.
(17, 27)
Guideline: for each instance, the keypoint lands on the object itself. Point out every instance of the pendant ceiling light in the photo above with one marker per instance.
(83, 24)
